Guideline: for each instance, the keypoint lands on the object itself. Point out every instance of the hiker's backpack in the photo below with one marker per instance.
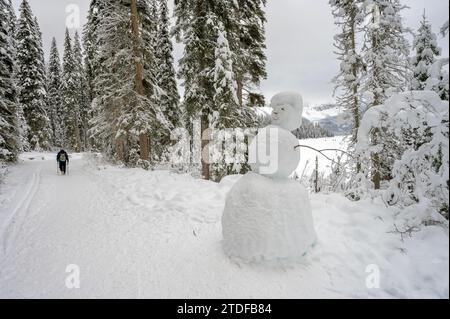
(62, 157)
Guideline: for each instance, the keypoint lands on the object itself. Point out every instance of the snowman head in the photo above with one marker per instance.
(287, 110)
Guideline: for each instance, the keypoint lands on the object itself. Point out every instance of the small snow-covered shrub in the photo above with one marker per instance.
(414, 131)
(438, 80)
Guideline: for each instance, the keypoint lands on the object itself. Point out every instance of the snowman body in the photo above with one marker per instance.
(274, 152)
(268, 216)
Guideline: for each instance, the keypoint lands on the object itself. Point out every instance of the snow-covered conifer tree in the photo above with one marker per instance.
(246, 34)
(438, 79)
(9, 130)
(197, 27)
(148, 18)
(150, 50)
(69, 91)
(348, 16)
(385, 55)
(124, 115)
(82, 97)
(226, 103)
(10, 17)
(166, 76)
(31, 76)
(414, 130)
(22, 123)
(225, 97)
(90, 43)
(386, 52)
(54, 101)
(40, 47)
(426, 47)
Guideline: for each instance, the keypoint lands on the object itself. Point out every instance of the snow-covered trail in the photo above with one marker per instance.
(57, 221)
(123, 246)
(137, 234)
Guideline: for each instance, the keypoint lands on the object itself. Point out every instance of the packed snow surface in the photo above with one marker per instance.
(137, 234)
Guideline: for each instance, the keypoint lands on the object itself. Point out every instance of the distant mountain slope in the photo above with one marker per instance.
(319, 112)
(330, 118)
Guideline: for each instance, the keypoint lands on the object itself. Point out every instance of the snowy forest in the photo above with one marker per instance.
(127, 112)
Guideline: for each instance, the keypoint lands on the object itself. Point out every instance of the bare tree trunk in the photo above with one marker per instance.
(376, 174)
(316, 177)
(120, 149)
(240, 90)
(77, 134)
(86, 136)
(138, 79)
(355, 107)
(144, 144)
(238, 68)
(206, 137)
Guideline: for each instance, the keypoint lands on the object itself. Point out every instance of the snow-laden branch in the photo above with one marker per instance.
(321, 152)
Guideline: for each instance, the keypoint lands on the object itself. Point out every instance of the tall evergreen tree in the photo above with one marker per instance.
(9, 130)
(166, 76)
(426, 47)
(125, 115)
(246, 33)
(225, 91)
(148, 32)
(203, 26)
(91, 43)
(348, 16)
(22, 123)
(40, 52)
(69, 91)
(31, 76)
(385, 53)
(194, 28)
(11, 25)
(226, 103)
(82, 97)
(54, 101)
(152, 65)
(11, 17)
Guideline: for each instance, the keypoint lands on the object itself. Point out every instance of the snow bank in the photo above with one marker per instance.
(414, 147)
(401, 110)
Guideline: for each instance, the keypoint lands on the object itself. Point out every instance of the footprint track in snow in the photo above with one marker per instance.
(18, 216)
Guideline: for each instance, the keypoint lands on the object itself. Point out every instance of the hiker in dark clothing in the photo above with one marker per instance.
(62, 158)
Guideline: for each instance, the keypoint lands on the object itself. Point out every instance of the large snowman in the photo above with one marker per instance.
(267, 216)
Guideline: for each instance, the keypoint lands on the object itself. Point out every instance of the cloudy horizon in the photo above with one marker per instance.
(299, 40)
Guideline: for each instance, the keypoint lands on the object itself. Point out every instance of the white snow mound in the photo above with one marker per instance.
(267, 219)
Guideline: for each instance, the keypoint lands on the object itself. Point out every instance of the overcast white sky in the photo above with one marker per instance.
(299, 39)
